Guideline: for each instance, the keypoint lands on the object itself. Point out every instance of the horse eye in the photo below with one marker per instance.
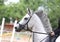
(25, 18)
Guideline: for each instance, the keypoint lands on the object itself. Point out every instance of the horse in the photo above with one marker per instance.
(32, 22)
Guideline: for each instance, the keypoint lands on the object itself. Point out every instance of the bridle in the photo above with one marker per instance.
(26, 24)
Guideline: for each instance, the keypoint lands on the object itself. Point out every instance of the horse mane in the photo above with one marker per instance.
(39, 13)
(44, 19)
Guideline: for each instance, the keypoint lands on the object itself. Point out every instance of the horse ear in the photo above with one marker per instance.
(30, 12)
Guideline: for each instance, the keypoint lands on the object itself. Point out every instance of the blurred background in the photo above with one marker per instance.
(17, 9)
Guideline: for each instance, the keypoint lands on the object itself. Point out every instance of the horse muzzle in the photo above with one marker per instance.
(21, 27)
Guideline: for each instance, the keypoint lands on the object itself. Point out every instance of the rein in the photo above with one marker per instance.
(31, 30)
(39, 32)
(34, 31)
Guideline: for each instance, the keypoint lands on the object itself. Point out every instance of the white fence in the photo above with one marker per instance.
(11, 39)
(2, 27)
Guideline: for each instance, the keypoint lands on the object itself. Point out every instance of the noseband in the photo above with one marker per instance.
(26, 24)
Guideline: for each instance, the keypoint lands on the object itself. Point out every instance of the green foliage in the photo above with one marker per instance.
(1, 2)
(54, 12)
(19, 9)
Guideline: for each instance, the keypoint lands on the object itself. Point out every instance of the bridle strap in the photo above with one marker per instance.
(40, 33)
(28, 21)
(34, 31)
(37, 32)
(27, 24)
(31, 30)
(44, 38)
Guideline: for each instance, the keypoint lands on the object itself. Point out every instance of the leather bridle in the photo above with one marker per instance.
(26, 24)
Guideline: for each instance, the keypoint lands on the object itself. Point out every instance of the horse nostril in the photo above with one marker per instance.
(17, 30)
(15, 27)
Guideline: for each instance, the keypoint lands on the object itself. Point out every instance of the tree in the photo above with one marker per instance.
(19, 9)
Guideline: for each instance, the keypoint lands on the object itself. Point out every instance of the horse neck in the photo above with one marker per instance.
(38, 26)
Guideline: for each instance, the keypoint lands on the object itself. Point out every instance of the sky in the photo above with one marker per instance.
(9, 1)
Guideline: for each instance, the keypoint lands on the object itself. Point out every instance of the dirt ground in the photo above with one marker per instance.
(17, 38)
(25, 39)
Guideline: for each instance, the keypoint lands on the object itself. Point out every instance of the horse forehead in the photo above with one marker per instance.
(26, 15)
(22, 20)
